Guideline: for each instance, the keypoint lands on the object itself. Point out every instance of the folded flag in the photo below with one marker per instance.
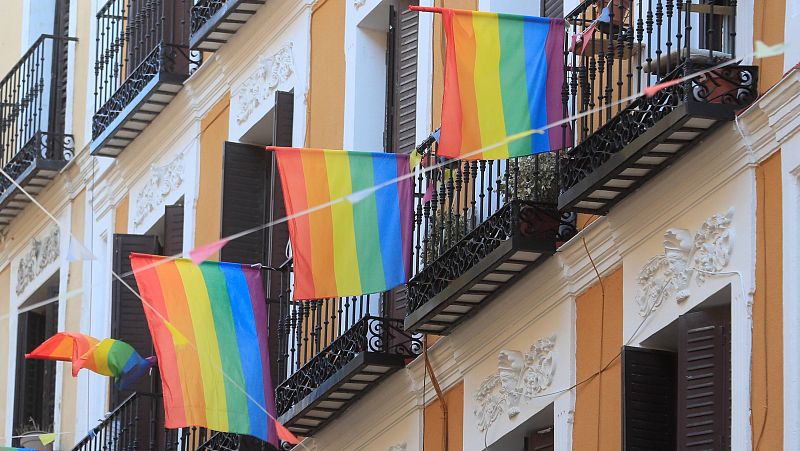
(209, 328)
(347, 248)
(108, 357)
(503, 76)
(116, 358)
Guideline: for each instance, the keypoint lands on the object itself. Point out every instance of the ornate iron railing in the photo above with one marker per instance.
(465, 209)
(616, 49)
(204, 10)
(135, 41)
(368, 334)
(32, 108)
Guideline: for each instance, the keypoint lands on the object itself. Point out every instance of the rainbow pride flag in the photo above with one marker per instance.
(354, 241)
(503, 76)
(209, 328)
(108, 357)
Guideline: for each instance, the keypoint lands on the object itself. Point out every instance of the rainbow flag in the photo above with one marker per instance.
(354, 241)
(109, 357)
(209, 328)
(503, 76)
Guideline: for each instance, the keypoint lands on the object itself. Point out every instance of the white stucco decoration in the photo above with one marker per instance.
(519, 376)
(398, 447)
(43, 251)
(668, 276)
(163, 180)
(359, 4)
(272, 70)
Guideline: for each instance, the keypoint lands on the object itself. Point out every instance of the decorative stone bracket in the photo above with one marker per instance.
(271, 72)
(518, 376)
(668, 276)
(162, 182)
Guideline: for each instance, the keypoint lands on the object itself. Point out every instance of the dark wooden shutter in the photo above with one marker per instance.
(58, 90)
(648, 399)
(704, 379)
(36, 379)
(401, 101)
(128, 322)
(278, 236)
(173, 230)
(541, 440)
(552, 8)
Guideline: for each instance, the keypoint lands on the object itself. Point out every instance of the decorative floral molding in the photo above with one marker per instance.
(163, 180)
(42, 252)
(667, 276)
(271, 71)
(398, 447)
(359, 4)
(518, 376)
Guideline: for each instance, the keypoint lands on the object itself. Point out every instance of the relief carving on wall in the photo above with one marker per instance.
(359, 4)
(519, 376)
(42, 252)
(668, 276)
(398, 447)
(163, 180)
(271, 71)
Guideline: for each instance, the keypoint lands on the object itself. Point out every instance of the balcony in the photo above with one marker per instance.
(214, 22)
(142, 60)
(33, 145)
(479, 226)
(633, 46)
(333, 352)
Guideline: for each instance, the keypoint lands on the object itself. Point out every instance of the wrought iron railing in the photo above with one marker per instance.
(367, 334)
(135, 41)
(32, 108)
(204, 10)
(618, 48)
(477, 202)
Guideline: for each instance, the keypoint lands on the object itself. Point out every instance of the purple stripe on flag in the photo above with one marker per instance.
(405, 194)
(554, 49)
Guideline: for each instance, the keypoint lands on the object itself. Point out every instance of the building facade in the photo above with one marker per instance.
(635, 290)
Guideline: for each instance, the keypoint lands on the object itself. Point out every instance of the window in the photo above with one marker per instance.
(552, 8)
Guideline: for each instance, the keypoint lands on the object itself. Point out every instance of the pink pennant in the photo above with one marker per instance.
(652, 90)
(285, 435)
(586, 36)
(201, 253)
(428, 193)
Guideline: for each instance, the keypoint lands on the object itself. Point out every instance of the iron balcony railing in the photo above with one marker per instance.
(479, 202)
(135, 41)
(317, 338)
(32, 108)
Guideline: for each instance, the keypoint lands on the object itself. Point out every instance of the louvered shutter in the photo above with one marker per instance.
(648, 399)
(173, 230)
(278, 236)
(540, 440)
(704, 379)
(552, 8)
(35, 383)
(402, 54)
(128, 322)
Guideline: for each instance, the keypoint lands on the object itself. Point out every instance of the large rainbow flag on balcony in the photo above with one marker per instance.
(356, 236)
(209, 328)
(503, 76)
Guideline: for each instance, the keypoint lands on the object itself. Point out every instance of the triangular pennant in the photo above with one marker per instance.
(202, 253)
(78, 252)
(47, 439)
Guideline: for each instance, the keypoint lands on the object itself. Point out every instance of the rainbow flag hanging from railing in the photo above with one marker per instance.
(209, 328)
(353, 241)
(503, 76)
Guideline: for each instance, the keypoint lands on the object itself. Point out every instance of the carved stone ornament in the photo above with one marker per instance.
(42, 252)
(163, 181)
(359, 4)
(271, 72)
(518, 376)
(398, 447)
(668, 276)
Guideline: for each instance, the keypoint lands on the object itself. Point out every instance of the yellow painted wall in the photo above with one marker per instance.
(121, 215)
(69, 385)
(768, 26)
(325, 114)
(5, 296)
(434, 425)
(767, 364)
(213, 133)
(598, 416)
(10, 34)
(84, 75)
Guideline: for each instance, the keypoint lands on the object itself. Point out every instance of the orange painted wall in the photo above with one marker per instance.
(598, 413)
(434, 430)
(768, 26)
(767, 364)
(325, 114)
(213, 133)
(121, 216)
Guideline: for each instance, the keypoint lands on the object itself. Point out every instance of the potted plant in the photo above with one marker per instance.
(28, 435)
